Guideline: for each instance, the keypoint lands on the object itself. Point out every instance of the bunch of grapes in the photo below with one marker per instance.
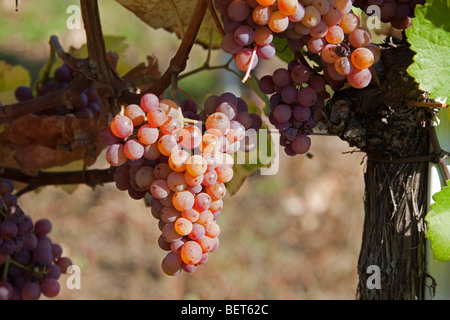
(183, 164)
(298, 98)
(86, 105)
(250, 26)
(30, 263)
(397, 12)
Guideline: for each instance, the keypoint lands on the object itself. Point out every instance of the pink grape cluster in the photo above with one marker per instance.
(183, 164)
(30, 262)
(298, 97)
(327, 28)
(250, 26)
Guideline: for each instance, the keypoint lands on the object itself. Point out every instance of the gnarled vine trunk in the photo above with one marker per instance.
(395, 135)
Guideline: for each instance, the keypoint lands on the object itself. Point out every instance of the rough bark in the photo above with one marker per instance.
(380, 121)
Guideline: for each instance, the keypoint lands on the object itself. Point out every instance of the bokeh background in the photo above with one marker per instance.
(293, 235)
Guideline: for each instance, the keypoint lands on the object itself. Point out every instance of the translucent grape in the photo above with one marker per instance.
(149, 101)
(262, 14)
(144, 177)
(167, 144)
(171, 264)
(176, 181)
(147, 134)
(312, 17)
(216, 191)
(359, 78)
(362, 58)
(333, 16)
(159, 189)
(244, 35)
(196, 165)
(244, 57)
(115, 155)
(156, 117)
(349, 22)
(359, 37)
(191, 253)
(335, 34)
(133, 149)
(287, 7)
(177, 160)
(121, 126)
(343, 66)
(135, 113)
(183, 200)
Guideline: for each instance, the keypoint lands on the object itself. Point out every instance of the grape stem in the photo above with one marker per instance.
(6, 268)
(250, 65)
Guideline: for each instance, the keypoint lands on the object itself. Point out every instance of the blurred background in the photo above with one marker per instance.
(293, 235)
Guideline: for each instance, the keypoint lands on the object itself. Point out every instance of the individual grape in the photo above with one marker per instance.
(244, 58)
(63, 263)
(8, 230)
(238, 10)
(300, 74)
(333, 16)
(176, 181)
(216, 191)
(322, 5)
(301, 144)
(349, 22)
(229, 44)
(212, 229)
(282, 113)
(207, 244)
(359, 37)
(50, 287)
(6, 290)
(42, 255)
(312, 17)
(192, 180)
(333, 74)
(262, 14)
(317, 83)
(156, 117)
(359, 78)
(115, 155)
(388, 11)
(167, 144)
(287, 7)
(315, 45)
(202, 202)
(169, 214)
(147, 134)
(135, 113)
(133, 149)
(278, 22)
(298, 15)
(266, 84)
(343, 66)
(170, 108)
(344, 5)
(196, 165)
(162, 171)
(121, 126)
(226, 108)
(334, 35)
(42, 227)
(224, 173)
(282, 77)
(169, 234)
(244, 35)
(171, 264)
(149, 101)
(301, 113)
(263, 36)
(362, 58)
(145, 178)
(63, 74)
(159, 189)
(266, 52)
(183, 200)
(175, 246)
(23, 93)
(30, 291)
(320, 30)
(190, 137)
(183, 226)
(177, 160)
(151, 152)
(165, 245)
(307, 97)
(171, 126)
(191, 253)
(329, 54)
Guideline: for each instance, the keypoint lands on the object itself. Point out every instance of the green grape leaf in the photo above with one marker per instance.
(438, 222)
(283, 51)
(429, 37)
(12, 77)
(170, 14)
